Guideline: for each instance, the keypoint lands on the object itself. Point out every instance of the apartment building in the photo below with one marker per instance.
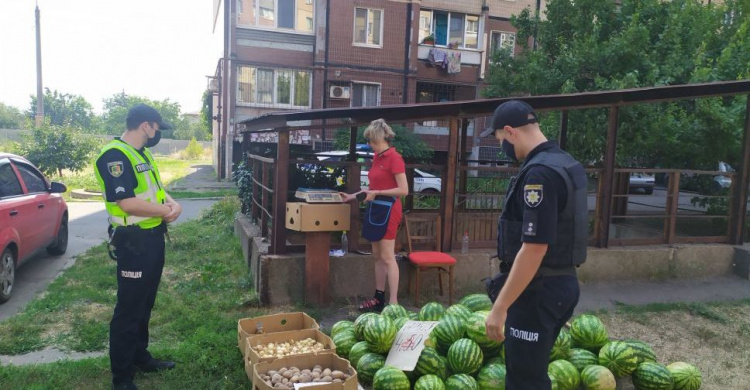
(309, 54)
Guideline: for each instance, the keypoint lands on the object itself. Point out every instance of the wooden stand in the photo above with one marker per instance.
(317, 248)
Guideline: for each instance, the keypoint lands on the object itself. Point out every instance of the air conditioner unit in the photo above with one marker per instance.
(339, 92)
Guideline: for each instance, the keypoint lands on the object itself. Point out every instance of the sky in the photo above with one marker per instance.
(158, 49)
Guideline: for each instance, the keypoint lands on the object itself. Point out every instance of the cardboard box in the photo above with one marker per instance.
(332, 361)
(282, 322)
(252, 356)
(325, 217)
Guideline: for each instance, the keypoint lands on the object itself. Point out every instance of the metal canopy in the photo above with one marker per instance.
(467, 109)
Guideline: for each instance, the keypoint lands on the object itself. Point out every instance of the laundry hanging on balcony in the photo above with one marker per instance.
(437, 57)
(453, 61)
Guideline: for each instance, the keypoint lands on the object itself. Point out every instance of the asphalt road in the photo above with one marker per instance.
(87, 227)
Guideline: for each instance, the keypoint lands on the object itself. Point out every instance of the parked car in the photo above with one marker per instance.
(424, 183)
(33, 217)
(642, 181)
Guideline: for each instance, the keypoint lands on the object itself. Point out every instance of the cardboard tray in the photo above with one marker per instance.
(332, 361)
(252, 356)
(282, 322)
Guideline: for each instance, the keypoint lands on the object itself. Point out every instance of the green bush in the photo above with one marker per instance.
(194, 150)
(53, 148)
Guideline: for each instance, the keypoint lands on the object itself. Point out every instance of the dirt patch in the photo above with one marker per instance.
(719, 346)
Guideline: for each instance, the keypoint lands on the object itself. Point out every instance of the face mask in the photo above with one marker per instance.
(155, 140)
(509, 150)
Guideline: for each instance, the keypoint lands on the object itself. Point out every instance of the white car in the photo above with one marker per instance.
(424, 183)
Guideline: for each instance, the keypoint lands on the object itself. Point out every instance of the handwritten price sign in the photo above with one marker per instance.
(409, 344)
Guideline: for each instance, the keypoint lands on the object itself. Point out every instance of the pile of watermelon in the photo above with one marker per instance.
(458, 354)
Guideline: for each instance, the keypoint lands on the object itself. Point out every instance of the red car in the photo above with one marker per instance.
(33, 216)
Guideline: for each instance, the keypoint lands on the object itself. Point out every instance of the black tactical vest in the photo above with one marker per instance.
(572, 220)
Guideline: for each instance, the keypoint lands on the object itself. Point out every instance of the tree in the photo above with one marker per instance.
(116, 110)
(207, 113)
(411, 147)
(64, 109)
(591, 45)
(11, 117)
(53, 148)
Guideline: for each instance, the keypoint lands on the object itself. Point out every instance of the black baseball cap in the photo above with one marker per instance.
(513, 113)
(144, 113)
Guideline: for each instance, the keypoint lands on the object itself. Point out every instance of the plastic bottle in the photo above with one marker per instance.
(465, 243)
(344, 242)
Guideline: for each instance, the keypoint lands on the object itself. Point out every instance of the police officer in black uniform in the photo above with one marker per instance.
(138, 208)
(542, 235)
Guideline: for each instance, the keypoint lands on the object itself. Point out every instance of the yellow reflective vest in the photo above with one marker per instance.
(149, 186)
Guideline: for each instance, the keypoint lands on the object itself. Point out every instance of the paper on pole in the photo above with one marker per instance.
(409, 344)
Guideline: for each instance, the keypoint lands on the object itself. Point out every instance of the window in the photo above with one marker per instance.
(33, 179)
(365, 95)
(456, 29)
(281, 87)
(294, 15)
(368, 26)
(502, 40)
(9, 184)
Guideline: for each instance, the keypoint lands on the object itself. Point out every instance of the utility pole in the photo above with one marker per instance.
(39, 95)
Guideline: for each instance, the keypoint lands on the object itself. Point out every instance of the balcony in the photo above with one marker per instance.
(468, 56)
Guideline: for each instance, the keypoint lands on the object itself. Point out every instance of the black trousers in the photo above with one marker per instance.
(531, 327)
(139, 268)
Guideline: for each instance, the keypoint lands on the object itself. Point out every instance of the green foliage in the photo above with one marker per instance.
(53, 148)
(116, 110)
(194, 150)
(243, 176)
(591, 45)
(64, 109)
(191, 129)
(411, 147)
(11, 117)
(207, 112)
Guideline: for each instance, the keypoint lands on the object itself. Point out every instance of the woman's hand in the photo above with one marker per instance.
(371, 194)
(346, 197)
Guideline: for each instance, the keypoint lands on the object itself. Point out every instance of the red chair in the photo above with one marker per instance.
(423, 231)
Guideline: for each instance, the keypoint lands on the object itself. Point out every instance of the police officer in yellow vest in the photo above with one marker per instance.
(139, 209)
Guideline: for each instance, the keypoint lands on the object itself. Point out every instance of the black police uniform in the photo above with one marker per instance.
(140, 261)
(546, 204)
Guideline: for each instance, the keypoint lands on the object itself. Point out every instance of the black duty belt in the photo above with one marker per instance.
(543, 271)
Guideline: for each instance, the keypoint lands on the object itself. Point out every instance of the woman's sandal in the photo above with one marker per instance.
(371, 305)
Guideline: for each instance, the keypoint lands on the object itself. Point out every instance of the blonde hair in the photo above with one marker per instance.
(379, 130)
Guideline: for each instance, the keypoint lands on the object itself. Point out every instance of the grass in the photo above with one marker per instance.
(171, 168)
(204, 290)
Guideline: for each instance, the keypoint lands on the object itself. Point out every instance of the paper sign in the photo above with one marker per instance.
(409, 344)
(303, 385)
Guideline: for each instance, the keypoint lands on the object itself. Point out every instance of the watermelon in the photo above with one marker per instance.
(652, 376)
(368, 365)
(491, 377)
(394, 311)
(380, 333)
(589, 332)
(596, 377)
(432, 311)
(561, 348)
(581, 358)
(390, 378)
(461, 382)
(341, 325)
(495, 360)
(643, 351)
(565, 373)
(359, 325)
(449, 330)
(477, 302)
(492, 352)
(686, 376)
(429, 382)
(357, 351)
(400, 322)
(553, 382)
(344, 341)
(459, 310)
(476, 330)
(413, 316)
(619, 358)
(465, 357)
(432, 363)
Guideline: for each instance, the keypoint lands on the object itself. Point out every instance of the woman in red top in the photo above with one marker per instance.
(387, 177)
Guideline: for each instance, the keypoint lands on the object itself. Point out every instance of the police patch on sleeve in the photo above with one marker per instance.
(115, 168)
(533, 195)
